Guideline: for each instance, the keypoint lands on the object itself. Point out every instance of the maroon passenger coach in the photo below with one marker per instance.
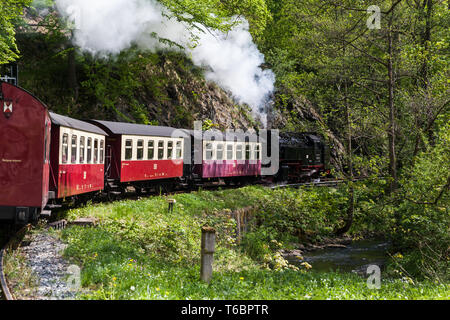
(24, 154)
(232, 157)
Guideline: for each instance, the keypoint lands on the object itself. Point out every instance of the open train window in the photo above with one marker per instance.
(65, 147)
(128, 149)
(95, 151)
(219, 152)
(257, 152)
(239, 152)
(151, 150)
(208, 151)
(82, 143)
(73, 155)
(102, 151)
(140, 149)
(247, 151)
(169, 149)
(179, 150)
(160, 149)
(229, 152)
(89, 150)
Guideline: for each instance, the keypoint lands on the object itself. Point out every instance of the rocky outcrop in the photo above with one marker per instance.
(185, 97)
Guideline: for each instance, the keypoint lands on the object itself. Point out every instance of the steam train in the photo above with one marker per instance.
(47, 158)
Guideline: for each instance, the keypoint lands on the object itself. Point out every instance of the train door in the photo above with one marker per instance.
(108, 161)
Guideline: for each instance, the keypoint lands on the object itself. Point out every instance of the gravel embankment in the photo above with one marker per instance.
(44, 258)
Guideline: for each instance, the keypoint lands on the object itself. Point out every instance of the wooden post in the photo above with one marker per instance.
(207, 253)
(238, 226)
(171, 204)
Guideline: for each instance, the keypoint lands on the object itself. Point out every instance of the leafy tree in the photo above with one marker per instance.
(10, 10)
(424, 229)
(219, 14)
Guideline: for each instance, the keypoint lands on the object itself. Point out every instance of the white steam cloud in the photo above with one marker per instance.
(232, 60)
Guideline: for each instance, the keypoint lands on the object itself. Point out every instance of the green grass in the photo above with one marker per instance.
(140, 251)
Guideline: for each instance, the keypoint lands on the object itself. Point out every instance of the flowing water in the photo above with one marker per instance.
(356, 257)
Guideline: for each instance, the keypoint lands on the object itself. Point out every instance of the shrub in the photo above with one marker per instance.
(423, 219)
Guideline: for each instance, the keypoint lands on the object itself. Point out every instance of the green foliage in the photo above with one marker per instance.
(324, 52)
(139, 251)
(118, 78)
(219, 15)
(10, 11)
(423, 229)
(208, 125)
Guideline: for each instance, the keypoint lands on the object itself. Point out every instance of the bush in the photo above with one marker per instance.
(423, 219)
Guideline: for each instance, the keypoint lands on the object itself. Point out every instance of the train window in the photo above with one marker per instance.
(160, 149)
(89, 150)
(208, 151)
(82, 142)
(73, 155)
(65, 147)
(257, 153)
(102, 151)
(169, 149)
(247, 151)
(95, 150)
(219, 154)
(140, 149)
(151, 150)
(239, 152)
(179, 150)
(128, 149)
(229, 152)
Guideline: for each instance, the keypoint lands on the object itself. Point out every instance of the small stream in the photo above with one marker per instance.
(356, 257)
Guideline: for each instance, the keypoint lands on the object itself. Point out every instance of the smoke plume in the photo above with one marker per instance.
(232, 60)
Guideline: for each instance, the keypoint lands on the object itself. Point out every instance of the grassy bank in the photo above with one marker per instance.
(140, 251)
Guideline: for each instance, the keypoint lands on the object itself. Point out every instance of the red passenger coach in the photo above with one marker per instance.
(143, 155)
(77, 157)
(24, 154)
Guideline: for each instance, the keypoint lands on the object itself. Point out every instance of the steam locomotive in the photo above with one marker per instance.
(47, 158)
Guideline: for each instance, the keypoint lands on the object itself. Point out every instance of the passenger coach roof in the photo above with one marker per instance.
(140, 129)
(64, 121)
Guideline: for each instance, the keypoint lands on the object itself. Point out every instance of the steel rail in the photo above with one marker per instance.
(13, 243)
(325, 183)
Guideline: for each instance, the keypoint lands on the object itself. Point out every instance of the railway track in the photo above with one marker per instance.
(14, 241)
(11, 244)
(321, 183)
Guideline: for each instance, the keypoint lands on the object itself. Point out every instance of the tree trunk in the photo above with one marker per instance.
(72, 70)
(392, 124)
(72, 74)
(351, 198)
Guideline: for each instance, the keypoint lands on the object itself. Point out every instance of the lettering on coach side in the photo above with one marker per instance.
(11, 161)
